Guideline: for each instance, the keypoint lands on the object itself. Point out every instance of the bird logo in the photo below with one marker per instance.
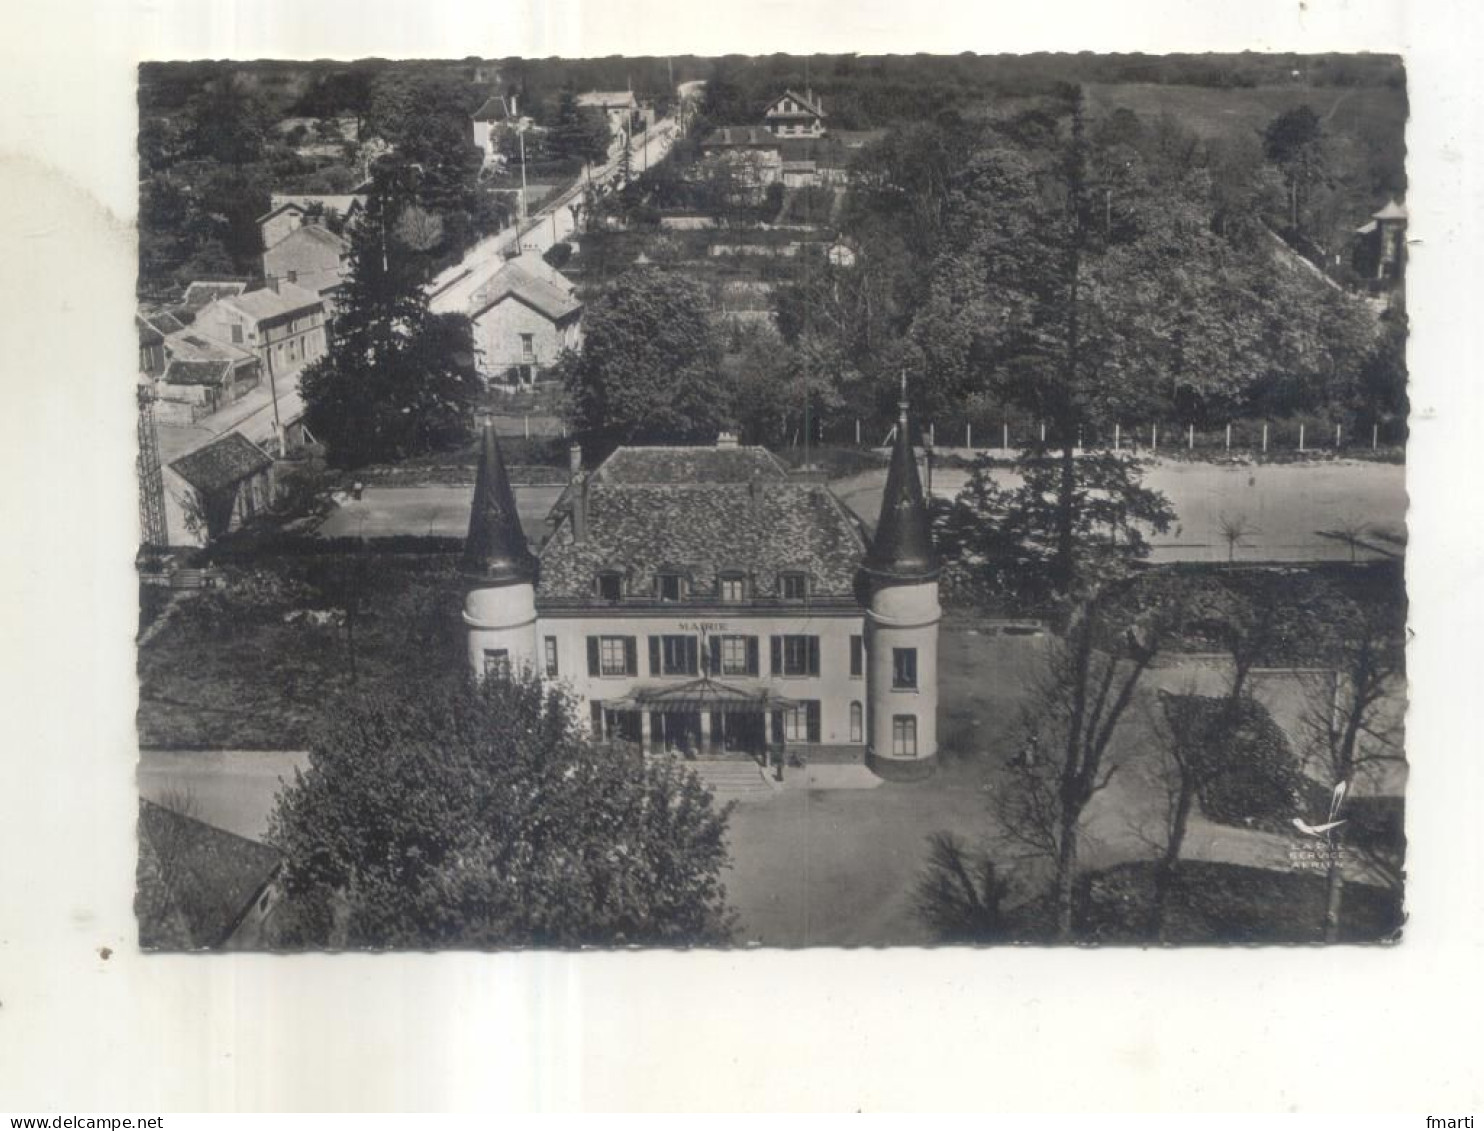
(1336, 800)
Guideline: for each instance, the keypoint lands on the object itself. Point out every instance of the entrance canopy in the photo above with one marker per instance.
(700, 695)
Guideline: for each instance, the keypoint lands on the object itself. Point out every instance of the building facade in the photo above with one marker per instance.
(702, 601)
(283, 325)
(311, 256)
(523, 317)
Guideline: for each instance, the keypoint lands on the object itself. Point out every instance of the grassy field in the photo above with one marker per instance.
(230, 671)
(1217, 112)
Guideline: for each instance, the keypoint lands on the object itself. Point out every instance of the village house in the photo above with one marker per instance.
(619, 106)
(290, 211)
(215, 488)
(282, 324)
(313, 257)
(191, 377)
(1379, 252)
(523, 317)
(702, 601)
(795, 115)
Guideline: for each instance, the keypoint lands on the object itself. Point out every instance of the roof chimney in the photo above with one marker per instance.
(273, 283)
(579, 510)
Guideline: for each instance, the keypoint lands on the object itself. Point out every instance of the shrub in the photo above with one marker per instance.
(1245, 769)
(558, 254)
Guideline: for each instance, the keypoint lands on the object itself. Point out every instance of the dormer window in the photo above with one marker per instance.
(610, 586)
(733, 588)
(668, 587)
(793, 586)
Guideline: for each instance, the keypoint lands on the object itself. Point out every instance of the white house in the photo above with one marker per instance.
(701, 600)
(523, 317)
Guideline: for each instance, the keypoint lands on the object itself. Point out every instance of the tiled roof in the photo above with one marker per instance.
(198, 295)
(195, 881)
(165, 322)
(319, 234)
(222, 463)
(184, 345)
(808, 105)
(265, 304)
(701, 529)
(179, 372)
(493, 110)
(515, 279)
(607, 98)
(682, 465)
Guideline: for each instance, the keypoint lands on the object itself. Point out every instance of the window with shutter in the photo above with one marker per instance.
(713, 657)
(857, 656)
(597, 710)
(654, 655)
(592, 656)
(734, 655)
(752, 659)
(800, 655)
(679, 655)
(811, 715)
(775, 654)
(617, 655)
(551, 657)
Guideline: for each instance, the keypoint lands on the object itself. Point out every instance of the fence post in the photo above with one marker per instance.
(1337, 437)
(1228, 437)
(857, 431)
(1079, 437)
(1043, 432)
(1005, 434)
(1154, 438)
(1117, 437)
(527, 419)
(1301, 437)
(969, 436)
(1264, 437)
(930, 434)
(1375, 434)
(1190, 438)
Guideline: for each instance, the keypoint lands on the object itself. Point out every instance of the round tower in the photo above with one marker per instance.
(898, 584)
(500, 607)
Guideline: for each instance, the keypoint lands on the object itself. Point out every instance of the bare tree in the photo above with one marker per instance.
(1352, 722)
(1073, 715)
(1233, 532)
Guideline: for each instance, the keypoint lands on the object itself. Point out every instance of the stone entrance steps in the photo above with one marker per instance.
(731, 776)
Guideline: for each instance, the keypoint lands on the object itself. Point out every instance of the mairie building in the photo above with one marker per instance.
(702, 601)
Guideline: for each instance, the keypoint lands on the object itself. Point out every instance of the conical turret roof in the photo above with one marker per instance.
(496, 548)
(902, 548)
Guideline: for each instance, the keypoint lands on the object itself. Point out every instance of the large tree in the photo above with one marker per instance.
(650, 366)
(464, 815)
(1089, 281)
(398, 380)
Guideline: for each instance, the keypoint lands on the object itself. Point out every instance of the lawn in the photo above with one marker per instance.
(233, 669)
(1217, 112)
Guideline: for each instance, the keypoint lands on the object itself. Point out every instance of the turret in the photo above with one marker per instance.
(898, 583)
(500, 607)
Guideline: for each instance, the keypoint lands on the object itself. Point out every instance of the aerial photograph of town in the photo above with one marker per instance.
(771, 501)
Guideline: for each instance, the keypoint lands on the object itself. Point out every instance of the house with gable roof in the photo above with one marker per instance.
(795, 115)
(523, 317)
